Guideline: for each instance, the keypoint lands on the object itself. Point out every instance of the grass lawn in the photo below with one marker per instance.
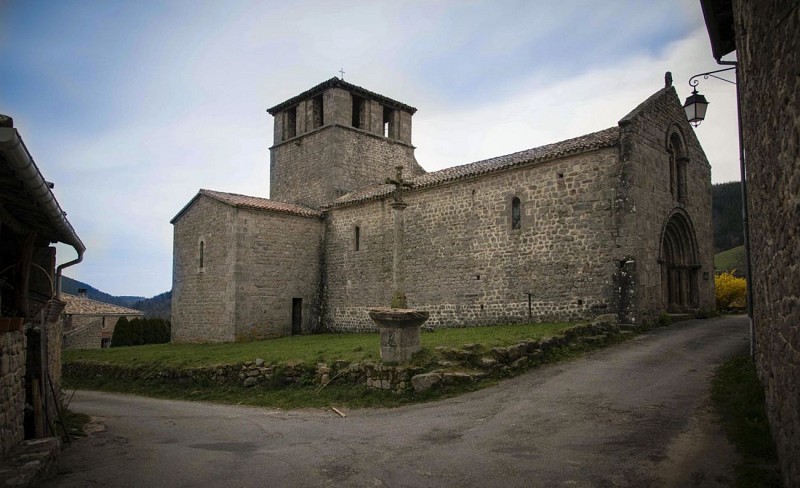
(306, 348)
(730, 260)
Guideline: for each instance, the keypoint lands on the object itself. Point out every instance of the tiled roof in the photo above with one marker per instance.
(253, 203)
(604, 138)
(257, 203)
(85, 306)
(339, 83)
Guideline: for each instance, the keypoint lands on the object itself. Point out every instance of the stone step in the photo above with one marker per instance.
(30, 462)
(679, 317)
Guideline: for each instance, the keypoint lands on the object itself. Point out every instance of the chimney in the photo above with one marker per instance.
(83, 293)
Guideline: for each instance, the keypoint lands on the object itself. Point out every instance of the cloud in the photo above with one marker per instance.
(551, 110)
(132, 107)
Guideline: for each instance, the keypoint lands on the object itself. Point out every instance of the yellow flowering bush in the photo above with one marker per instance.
(731, 291)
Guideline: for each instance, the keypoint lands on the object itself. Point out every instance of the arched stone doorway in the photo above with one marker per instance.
(679, 264)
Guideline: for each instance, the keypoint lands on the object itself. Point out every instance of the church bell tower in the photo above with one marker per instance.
(335, 138)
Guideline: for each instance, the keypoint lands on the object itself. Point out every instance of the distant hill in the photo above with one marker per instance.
(157, 307)
(68, 285)
(726, 215)
(731, 260)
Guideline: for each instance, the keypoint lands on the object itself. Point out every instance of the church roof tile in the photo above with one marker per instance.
(76, 305)
(252, 203)
(339, 83)
(604, 138)
(257, 203)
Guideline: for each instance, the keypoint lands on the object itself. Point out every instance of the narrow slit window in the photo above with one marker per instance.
(677, 168)
(357, 238)
(681, 179)
(516, 213)
(202, 254)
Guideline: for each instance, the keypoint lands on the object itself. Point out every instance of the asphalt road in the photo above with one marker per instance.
(635, 414)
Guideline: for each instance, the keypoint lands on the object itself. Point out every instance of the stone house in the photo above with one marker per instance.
(30, 340)
(617, 221)
(764, 35)
(89, 324)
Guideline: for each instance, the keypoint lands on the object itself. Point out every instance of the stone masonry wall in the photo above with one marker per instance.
(203, 299)
(12, 390)
(83, 332)
(463, 261)
(648, 202)
(279, 260)
(768, 51)
(86, 332)
(316, 168)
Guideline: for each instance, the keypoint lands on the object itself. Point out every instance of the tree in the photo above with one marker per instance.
(121, 334)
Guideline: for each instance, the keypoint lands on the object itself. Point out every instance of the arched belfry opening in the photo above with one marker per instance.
(679, 264)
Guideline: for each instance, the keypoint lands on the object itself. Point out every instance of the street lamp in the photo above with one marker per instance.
(696, 104)
(695, 108)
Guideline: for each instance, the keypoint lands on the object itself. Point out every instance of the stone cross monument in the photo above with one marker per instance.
(399, 325)
(398, 279)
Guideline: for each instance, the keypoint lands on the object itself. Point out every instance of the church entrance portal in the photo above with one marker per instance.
(679, 265)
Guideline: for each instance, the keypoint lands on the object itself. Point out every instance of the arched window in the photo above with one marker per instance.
(677, 166)
(516, 213)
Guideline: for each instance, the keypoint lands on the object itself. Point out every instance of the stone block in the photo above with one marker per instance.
(456, 377)
(488, 363)
(425, 381)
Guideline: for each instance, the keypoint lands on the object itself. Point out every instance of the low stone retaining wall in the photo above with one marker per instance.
(12, 390)
(466, 364)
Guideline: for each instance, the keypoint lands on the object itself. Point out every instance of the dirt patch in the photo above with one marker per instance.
(700, 456)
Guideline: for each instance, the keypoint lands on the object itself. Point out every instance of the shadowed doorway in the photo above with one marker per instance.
(679, 264)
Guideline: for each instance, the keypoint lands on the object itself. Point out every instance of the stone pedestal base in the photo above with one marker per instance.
(399, 329)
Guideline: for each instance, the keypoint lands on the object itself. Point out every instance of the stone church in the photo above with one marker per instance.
(616, 221)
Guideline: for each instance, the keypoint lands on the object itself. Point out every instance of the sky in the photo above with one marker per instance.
(131, 107)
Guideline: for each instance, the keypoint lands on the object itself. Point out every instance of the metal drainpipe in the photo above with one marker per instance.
(66, 265)
(745, 212)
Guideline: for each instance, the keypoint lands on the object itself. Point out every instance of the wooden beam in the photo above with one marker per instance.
(12, 222)
(22, 288)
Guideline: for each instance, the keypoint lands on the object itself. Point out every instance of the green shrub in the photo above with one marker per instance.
(731, 291)
(138, 332)
(121, 334)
